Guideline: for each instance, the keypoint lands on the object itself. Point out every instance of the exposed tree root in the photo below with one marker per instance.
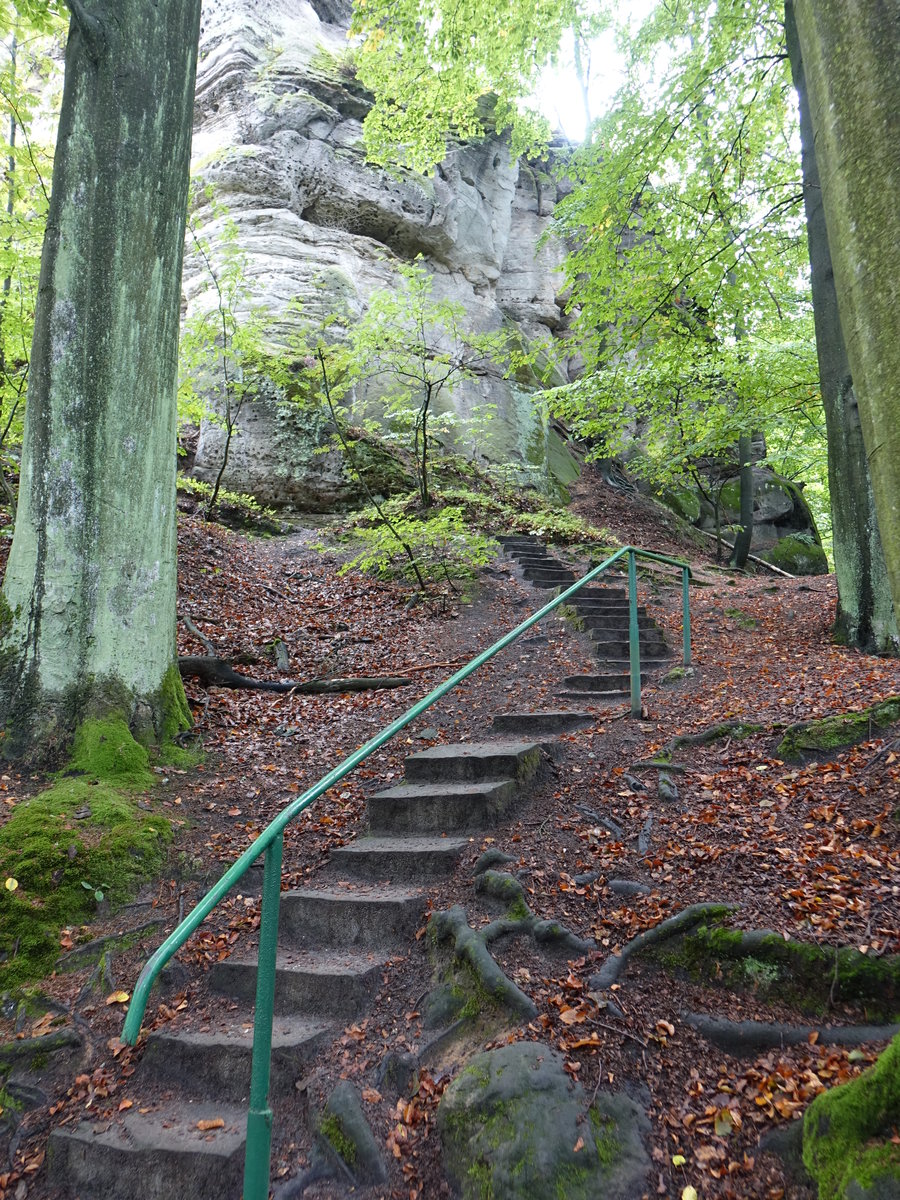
(687, 919)
(750, 1038)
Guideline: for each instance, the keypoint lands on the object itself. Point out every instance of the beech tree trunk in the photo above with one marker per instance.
(744, 539)
(88, 613)
(865, 616)
(849, 54)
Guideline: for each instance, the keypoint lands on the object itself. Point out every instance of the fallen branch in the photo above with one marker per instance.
(216, 672)
(752, 557)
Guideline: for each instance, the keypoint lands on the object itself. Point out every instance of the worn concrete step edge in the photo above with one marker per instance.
(537, 723)
(337, 984)
(435, 808)
(366, 915)
(472, 761)
(217, 1061)
(159, 1155)
(400, 859)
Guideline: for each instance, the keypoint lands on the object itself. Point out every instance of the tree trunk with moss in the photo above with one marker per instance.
(849, 53)
(865, 616)
(88, 609)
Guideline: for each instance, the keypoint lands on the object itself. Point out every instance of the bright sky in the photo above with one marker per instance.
(560, 96)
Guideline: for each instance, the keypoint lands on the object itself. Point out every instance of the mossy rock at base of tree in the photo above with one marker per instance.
(849, 1134)
(798, 556)
(828, 735)
(512, 1128)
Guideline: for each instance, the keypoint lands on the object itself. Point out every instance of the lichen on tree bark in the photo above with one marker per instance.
(90, 585)
(849, 55)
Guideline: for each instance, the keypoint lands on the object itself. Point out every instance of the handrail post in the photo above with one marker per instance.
(259, 1115)
(634, 645)
(686, 614)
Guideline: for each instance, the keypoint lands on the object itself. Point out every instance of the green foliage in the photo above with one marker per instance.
(441, 70)
(223, 358)
(690, 275)
(30, 100)
(445, 547)
(245, 506)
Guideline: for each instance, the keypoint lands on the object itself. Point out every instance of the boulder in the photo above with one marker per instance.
(514, 1126)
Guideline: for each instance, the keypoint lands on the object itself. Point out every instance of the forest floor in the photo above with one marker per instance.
(811, 852)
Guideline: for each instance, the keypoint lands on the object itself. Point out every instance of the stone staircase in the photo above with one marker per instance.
(603, 612)
(336, 939)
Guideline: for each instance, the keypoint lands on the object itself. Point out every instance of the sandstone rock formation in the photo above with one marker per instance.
(278, 135)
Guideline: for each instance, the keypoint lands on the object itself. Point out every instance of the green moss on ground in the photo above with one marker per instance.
(806, 975)
(812, 739)
(847, 1132)
(82, 840)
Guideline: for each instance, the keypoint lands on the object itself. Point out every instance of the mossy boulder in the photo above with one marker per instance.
(514, 1126)
(798, 556)
(683, 501)
(826, 736)
(849, 1141)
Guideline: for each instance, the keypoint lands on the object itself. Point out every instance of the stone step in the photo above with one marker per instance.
(328, 983)
(216, 1061)
(533, 724)
(611, 604)
(621, 648)
(535, 560)
(647, 664)
(159, 1155)
(511, 539)
(440, 808)
(399, 859)
(613, 621)
(470, 762)
(548, 574)
(367, 916)
(611, 682)
(590, 591)
(602, 698)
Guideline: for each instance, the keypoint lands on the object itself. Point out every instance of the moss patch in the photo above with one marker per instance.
(105, 750)
(813, 739)
(847, 1132)
(332, 1130)
(78, 842)
(798, 556)
(172, 703)
(794, 972)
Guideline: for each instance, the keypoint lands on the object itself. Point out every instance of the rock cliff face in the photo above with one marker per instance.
(278, 134)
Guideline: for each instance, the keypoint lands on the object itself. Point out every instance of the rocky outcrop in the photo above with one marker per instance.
(278, 135)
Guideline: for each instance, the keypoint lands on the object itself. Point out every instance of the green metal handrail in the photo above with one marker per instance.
(271, 842)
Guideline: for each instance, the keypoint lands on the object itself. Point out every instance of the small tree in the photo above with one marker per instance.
(419, 351)
(222, 353)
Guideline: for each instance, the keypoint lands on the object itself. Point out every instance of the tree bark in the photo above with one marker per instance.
(849, 54)
(744, 539)
(865, 615)
(89, 597)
